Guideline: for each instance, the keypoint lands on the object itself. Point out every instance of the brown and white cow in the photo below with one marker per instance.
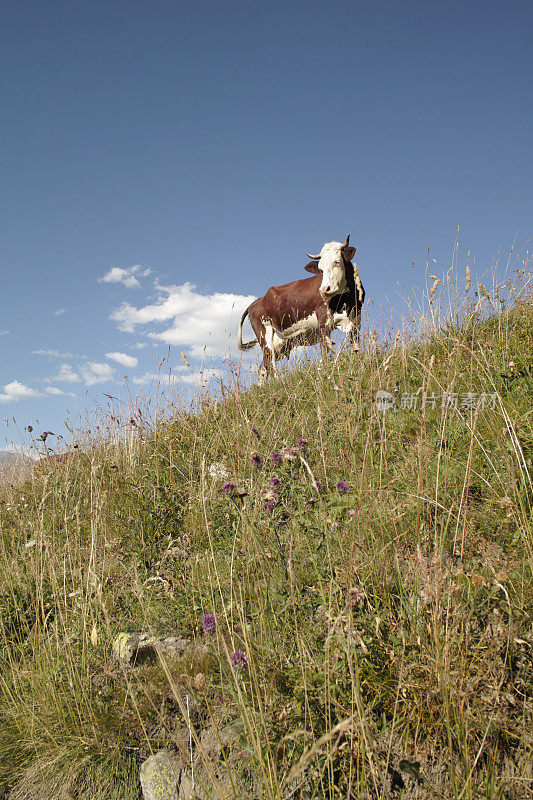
(308, 310)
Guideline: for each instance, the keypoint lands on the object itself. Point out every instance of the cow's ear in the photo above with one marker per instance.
(348, 253)
(313, 267)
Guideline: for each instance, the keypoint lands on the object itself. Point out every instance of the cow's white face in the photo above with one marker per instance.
(331, 265)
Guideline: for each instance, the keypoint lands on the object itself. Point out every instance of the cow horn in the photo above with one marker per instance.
(315, 258)
(346, 243)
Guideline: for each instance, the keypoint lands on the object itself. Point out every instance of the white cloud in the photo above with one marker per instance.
(201, 377)
(15, 391)
(197, 320)
(50, 353)
(95, 372)
(4, 333)
(122, 358)
(155, 377)
(53, 390)
(59, 312)
(66, 374)
(125, 276)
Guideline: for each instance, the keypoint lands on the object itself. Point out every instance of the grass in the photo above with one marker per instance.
(386, 630)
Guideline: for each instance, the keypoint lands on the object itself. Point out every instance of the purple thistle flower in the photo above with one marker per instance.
(342, 487)
(275, 481)
(319, 487)
(228, 487)
(277, 458)
(239, 659)
(269, 505)
(257, 461)
(302, 443)
(209, 622)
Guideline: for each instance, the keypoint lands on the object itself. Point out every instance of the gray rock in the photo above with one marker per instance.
(168, 775)
(212, 741)
(160, 775)
(140, 646)
(188, 791)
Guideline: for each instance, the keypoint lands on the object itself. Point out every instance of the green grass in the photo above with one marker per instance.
(382, 627)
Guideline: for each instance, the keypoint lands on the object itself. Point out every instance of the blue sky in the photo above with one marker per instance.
(164, 144)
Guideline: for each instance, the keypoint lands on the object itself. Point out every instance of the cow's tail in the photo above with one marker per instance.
(244, 345)
(359, 285)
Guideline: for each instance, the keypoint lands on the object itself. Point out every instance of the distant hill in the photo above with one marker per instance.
(14, 466)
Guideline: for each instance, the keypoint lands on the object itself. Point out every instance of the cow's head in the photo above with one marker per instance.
(333, 260)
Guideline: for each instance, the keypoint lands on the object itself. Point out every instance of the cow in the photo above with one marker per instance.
(307, 311)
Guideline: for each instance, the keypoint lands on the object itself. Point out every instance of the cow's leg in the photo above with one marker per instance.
(267, 367)
(263, 373)
(326, 343)
(355, 332)
(260, 331)
(325, 326)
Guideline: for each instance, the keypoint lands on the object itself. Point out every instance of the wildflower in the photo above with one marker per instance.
(275, 481)
(209, 623)
(302, 443)
(239, 659)
(30, 428)
(342, 487)
(229, 487)
(257, 461)
(277, 458)
(355, 596)
(270, 504)
(319, 487)
(352, 512)
(256, 433)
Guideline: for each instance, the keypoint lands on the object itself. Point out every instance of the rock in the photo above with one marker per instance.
(168, 775)
(140, 646)
(187, 788)
(212, 741)
(160, 775)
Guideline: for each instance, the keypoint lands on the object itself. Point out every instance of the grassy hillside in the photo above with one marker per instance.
(356, 585)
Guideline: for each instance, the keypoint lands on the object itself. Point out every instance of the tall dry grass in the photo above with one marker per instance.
(379, 606)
